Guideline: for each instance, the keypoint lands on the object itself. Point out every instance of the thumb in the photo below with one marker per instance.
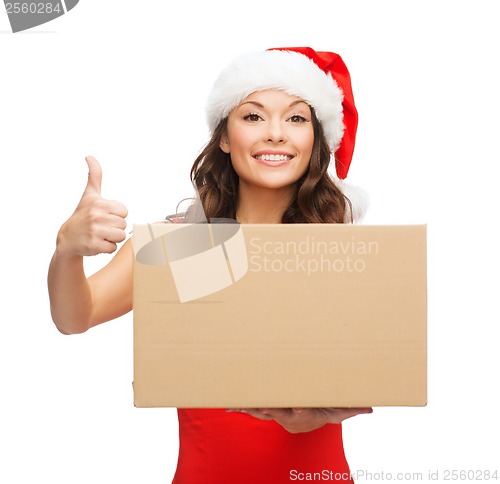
(95, 176)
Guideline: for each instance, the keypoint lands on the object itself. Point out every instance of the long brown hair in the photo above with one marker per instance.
(317, 198)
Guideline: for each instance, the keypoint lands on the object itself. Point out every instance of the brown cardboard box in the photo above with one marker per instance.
(313, 315)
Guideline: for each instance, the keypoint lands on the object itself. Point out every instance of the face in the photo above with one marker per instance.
(270, 139)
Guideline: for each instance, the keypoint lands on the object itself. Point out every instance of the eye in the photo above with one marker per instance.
(253, 117)
(297, 118)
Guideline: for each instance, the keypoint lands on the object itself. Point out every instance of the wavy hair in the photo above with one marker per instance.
(317, 199)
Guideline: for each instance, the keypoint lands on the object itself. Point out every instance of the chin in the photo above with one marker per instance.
(276, 184)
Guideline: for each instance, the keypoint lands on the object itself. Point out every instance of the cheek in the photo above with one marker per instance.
(241, 140)
(305, 145)
(239, 136)
(308, 141)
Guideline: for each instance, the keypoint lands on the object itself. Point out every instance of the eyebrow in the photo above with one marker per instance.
(255, 103)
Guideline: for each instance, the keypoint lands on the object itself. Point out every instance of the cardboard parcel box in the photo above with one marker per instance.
(298, 315)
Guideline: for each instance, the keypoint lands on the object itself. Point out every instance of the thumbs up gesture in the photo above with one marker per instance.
(97, 225)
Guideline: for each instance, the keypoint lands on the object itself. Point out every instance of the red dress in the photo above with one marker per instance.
(220, 447)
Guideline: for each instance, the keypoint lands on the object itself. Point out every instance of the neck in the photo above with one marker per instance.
(258, 205)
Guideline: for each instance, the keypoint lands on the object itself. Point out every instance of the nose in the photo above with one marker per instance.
(276, 132)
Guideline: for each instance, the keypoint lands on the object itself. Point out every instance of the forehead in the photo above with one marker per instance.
(274, 97)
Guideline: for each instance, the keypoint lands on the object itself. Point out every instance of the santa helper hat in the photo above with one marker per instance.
(320, 78)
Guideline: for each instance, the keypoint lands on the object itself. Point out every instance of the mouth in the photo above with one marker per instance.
(273, 159)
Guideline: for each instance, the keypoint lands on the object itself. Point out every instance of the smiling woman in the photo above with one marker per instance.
(277, 118)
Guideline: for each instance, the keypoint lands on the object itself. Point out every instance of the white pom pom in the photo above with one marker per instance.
(359, 201)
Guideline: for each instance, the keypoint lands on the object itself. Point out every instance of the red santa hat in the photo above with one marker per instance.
(320, 78)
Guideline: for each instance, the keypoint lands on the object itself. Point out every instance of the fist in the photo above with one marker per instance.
(97, 225)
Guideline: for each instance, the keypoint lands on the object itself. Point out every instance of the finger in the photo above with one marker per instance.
(278, 414)
(345, 413)
(99, 247)
(116, 208)
(95, 176)
(275, 413)
(111, 208)
(359, 410)
(114, 236)
(105, 247)
(257, 413)
(117, 222)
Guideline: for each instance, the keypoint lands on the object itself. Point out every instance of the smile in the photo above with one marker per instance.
(271, 157)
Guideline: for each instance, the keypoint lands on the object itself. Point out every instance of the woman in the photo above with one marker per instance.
(276, 117)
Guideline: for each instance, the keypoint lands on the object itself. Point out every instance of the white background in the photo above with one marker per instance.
(127, 82)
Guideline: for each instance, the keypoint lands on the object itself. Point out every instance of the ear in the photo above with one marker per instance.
(224, 144)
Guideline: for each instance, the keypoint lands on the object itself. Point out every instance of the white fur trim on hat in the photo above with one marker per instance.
(291, 72)
(359, 199)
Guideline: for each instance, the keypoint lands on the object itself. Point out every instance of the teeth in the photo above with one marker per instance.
(273, 157)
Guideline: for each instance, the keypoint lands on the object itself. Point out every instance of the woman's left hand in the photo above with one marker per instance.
(297, 420)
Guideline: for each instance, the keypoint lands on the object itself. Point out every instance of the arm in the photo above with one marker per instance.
(78, 303)
(96, 226)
